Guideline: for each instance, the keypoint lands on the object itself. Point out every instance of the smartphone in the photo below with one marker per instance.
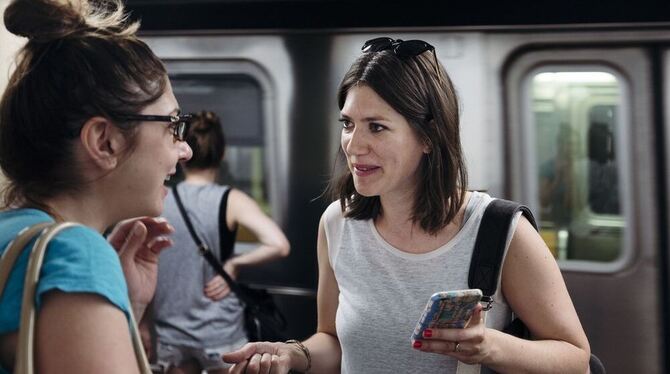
(448, 309)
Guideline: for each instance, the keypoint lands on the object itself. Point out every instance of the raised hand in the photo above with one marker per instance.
(139, 242)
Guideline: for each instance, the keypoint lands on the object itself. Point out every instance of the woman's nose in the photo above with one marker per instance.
(355, 142)
(185, 151)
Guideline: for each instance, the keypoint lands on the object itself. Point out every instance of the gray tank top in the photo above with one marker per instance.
(183, 315)
(383, 291)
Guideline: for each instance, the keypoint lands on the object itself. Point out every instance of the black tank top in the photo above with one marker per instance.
(226, 236)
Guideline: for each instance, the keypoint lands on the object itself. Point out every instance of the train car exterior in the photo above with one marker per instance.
(568, 121)
(573, 121)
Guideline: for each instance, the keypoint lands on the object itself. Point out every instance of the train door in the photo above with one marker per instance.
(581, 152)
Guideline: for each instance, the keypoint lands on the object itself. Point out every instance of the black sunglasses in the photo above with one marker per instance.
(401, 48)
(179, 122)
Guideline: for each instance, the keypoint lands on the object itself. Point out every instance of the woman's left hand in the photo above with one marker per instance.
(139, 242)
(469, 345)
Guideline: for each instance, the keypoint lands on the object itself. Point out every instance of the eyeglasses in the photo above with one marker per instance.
(179, 123)
(401, 48)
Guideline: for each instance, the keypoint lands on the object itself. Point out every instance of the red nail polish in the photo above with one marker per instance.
(417, 344)
(428, 333)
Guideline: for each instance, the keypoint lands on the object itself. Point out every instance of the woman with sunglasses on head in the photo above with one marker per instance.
(404, 227)
(195, 314)
(89, 131)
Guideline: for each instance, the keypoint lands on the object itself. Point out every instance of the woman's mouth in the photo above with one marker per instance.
(362, 170)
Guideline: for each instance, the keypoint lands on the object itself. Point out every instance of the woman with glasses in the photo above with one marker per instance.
(195, 314)
(403, 227)
(89, 132)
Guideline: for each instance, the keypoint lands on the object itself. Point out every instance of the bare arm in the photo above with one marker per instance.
(244, 211)
(534, 288)
(82, 333)
(324, 345)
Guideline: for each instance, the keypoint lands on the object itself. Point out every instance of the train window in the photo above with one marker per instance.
(575, 121)
(237, 100)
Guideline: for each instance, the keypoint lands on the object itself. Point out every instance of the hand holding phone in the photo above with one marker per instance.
(448, 309)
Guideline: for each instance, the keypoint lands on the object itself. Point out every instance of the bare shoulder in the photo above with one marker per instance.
(534, 288)
(236, 196)
(83, 341)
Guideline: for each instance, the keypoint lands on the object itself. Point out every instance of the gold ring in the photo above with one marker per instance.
(457, 347)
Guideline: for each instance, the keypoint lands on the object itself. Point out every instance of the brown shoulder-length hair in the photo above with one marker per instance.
(81, 60)
(423, 94)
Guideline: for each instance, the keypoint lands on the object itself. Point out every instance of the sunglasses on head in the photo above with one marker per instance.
(401, 48)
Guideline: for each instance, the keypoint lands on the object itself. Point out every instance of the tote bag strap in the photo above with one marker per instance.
(25, 346)
(14, 249)
(140, 355)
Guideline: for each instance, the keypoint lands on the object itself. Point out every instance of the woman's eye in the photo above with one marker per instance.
(375, 127)
(346, 124)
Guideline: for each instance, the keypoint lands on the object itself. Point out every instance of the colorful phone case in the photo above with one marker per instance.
(448, 309)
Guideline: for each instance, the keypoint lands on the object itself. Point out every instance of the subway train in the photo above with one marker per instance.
(571, 119)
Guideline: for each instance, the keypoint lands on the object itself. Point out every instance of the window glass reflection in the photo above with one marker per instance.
(575, 120)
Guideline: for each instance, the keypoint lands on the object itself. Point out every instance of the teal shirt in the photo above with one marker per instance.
(78, 259)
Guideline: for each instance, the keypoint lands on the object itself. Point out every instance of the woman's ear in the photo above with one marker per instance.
(427, 146)
(102, 142)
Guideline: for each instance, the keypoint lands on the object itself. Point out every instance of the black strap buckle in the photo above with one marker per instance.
(203, 249)
(488, 303)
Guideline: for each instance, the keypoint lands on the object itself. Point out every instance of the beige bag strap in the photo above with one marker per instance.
(142, 360)
(25, 347)
(14, 249)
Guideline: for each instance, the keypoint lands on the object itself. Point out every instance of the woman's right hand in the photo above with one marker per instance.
(216, 289)
(471, 345)
(265, 357)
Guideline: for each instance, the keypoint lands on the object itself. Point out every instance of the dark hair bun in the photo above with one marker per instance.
(47, 20)
(205, 121)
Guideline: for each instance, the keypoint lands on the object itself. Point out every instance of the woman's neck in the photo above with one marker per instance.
(396, 226)
(201, 176)
(80, 209)
(397, 210)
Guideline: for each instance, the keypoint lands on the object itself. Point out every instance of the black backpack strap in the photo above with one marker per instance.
(490, 245)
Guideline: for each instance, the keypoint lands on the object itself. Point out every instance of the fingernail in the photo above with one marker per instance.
(137, 228)
(417, 344)
(428, 333)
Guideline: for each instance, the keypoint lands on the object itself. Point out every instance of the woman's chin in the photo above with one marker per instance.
(367, 192)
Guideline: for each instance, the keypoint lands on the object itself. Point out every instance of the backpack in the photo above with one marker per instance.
(487, 258)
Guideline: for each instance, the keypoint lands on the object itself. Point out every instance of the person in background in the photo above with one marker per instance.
(89, 132)
(196, 316)
(558, 191)
(403, 227)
